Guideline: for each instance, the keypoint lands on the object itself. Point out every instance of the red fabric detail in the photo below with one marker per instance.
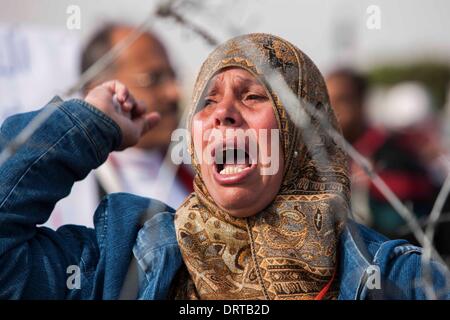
(325, 289)
(405, 186)
(370, 141)
(185, 176)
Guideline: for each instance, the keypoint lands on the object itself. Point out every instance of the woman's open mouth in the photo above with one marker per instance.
(232, 165)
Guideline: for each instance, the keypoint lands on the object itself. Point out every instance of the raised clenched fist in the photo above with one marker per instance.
(114, 99)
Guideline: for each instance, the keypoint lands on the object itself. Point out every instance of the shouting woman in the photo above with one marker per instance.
(269, 222)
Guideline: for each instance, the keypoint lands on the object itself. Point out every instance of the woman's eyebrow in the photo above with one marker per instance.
(245, 84)
(247, 81)
(238, 82)
(211, 89)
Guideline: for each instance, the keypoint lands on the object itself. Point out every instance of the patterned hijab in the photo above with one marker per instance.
(288, 250)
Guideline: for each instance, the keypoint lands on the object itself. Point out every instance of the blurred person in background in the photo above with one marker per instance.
(144, 67)
(412, 161)
(406, 156)
(403, 146)
(347, 91)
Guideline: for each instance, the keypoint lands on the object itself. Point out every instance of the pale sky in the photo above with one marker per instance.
(410, 29)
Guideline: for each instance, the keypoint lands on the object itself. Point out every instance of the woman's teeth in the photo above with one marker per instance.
(236, 161)
(232, 169)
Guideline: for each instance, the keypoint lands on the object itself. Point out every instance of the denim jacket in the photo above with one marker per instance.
(39, 263)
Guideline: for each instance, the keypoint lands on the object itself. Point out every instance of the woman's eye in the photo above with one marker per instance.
(254, 97)
(207, 102)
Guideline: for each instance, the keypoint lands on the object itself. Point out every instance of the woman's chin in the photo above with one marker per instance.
(241, 208)
(241, 212)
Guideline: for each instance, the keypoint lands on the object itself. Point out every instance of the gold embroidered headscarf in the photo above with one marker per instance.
(289, 250)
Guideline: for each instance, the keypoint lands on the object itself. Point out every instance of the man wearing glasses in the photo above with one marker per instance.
(144, 67)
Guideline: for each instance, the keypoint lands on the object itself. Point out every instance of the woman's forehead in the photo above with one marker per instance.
(236, 75)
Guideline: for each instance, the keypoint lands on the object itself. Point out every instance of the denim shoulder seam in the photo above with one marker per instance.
(404, 250)
(354, 243)
(102, 235)
(170, 244)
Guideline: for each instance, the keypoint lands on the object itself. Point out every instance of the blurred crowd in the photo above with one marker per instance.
(401, 133)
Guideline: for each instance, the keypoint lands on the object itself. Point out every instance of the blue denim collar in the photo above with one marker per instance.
(353, 262)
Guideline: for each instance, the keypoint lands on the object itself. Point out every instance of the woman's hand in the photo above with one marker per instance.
(114, 99)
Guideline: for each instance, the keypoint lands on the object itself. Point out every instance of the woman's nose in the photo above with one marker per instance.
(227, 115)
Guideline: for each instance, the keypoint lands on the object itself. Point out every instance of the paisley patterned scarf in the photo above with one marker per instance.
(289, 250)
